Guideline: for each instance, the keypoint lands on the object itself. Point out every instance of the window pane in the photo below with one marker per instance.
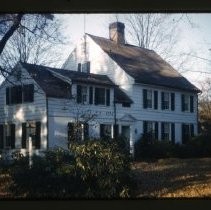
(100, 96)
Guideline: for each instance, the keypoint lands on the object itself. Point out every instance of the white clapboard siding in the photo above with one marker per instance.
(21, 113)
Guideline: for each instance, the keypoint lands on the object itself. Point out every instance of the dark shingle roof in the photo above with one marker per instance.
(58, 88)
(121, 97)
(144, 65)
(51, 85)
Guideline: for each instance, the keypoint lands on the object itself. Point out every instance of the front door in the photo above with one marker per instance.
(126, 132)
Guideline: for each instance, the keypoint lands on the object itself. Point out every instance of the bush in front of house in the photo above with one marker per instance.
(93, 169)
(197, 147)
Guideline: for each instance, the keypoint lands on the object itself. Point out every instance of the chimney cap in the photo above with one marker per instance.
(117, 25)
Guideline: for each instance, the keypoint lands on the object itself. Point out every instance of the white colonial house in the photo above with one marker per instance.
(109, 86)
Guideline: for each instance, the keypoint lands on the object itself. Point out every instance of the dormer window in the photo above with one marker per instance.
(84, 67)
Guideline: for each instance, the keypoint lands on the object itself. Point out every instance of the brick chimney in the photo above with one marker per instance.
(117, 32)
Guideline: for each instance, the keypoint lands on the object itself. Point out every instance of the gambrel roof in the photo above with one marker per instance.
(57, 82)
(144, 65)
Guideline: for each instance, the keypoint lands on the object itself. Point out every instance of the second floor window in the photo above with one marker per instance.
(165, 100)
(150, 99)
(102, 96)
(187, 103)
(19, 94)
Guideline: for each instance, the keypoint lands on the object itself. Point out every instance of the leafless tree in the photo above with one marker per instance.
(205, 106)
(159, 32)
(31, 38)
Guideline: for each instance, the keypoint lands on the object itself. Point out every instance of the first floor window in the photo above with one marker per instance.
(166, 131)
(7, 136)
(187, 132)
(150, 129)
(105, 130)
(31, 129)
(77, 131)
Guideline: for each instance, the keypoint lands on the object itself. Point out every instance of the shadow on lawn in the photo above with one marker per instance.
(156, 179)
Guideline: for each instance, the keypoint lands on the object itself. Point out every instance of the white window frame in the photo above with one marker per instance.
(168, 133)
(166, 103)
(149, 98)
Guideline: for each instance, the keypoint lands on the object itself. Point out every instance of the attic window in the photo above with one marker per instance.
(84, 67)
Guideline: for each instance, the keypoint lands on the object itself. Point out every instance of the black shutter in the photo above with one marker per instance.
(79, 67)
(12, 127)
(1, 136)
(156, 130)
(13, 95)
(38, 135)
(144, 98)
(162, 100)
(79, 94)
(90, 95)
(162, 131)
(70, 131)
(172, 132)
(86, 130)
(116, 131)
(96, 96)
(183, 102)
(102, 131)
(7, 96)
(19, 94)
(192, 130)
(107, 97)
(145, 127)
(191, 103)
(155, 99)
(172, 101)
(183, 133)
(28, 93)
(23, 135)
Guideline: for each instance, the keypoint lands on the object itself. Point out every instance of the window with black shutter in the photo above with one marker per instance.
(183, 102)
(173, 133)
(86, 130)
(90, 95)
(144, 98)
(100, 96)
(1, 136)
(38, 135)
(145, 127)
(156, 130)
(155, 99)
(7, 96)
(172, 101)
(70, 132)
(191, 130)
(105, 131)
(28, 93)
(162, 100)
(107, 97)
(116, 131)
(79, 99)
(187, 132)
(23, 135)
(162, 131)
(12, 136)
(191, 104)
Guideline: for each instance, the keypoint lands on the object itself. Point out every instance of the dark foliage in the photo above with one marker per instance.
(197, 147)
(93, 169)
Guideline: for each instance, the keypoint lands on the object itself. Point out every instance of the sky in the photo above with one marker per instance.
(194, 38)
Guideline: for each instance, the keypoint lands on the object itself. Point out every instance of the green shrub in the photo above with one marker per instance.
(197, 147)
(93, 169)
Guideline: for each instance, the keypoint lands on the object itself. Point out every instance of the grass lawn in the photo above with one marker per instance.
(173, 178)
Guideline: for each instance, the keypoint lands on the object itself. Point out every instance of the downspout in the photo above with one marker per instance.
(47, 124)
(114, 119)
